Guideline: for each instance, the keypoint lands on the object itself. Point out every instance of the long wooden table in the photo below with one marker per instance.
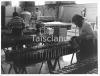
(23, 57)
(27, 56)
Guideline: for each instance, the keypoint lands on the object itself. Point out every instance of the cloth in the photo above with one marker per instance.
(38, 13)
(86, 31)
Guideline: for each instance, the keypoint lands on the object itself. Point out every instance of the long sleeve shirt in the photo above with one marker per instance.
(86, 31)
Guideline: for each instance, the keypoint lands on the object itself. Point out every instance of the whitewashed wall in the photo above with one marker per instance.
(47, 11)
(67, 11)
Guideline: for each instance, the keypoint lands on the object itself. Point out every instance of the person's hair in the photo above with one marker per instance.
(77, 20)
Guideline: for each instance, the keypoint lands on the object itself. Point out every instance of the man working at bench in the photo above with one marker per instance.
(85, 39)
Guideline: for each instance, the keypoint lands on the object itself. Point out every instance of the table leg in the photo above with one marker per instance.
(20, 70)
(72, 58)
(11, 66)
(23, 70)
(40, 67)
(15, 69)
(51, 66)
(55, 63)
(2, 69)
(59, 64)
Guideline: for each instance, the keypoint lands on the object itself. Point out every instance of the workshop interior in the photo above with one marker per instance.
(49, 37)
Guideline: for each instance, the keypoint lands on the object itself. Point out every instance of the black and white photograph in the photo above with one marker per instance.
(49, 37)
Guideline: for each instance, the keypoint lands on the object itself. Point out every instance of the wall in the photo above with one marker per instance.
(67, 11)
(47, 11)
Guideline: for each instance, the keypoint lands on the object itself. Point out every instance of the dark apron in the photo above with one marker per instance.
(88, 48)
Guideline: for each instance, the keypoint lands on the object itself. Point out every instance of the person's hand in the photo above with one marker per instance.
(74, 42)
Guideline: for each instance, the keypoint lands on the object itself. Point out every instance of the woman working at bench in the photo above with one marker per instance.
(85, 39)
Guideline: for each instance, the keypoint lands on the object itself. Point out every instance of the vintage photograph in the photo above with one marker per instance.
(49, 37)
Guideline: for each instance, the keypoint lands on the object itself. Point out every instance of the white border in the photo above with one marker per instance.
(82, 1)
